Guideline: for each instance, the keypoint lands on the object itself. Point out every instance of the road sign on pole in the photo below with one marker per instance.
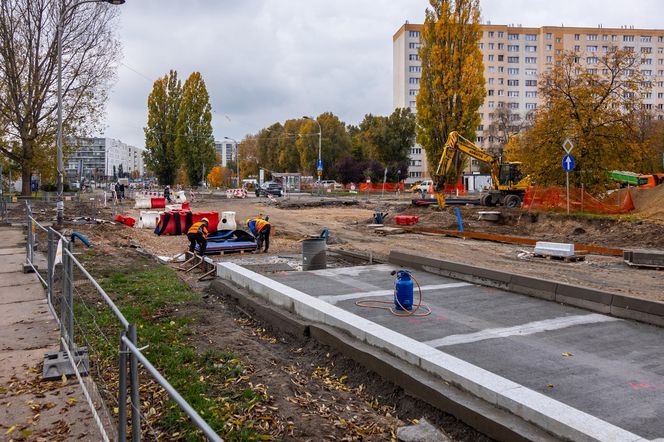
(319, 165)
(568, 165)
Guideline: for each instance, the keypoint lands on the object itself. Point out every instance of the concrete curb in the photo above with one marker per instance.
(620, 306)
(550, 415)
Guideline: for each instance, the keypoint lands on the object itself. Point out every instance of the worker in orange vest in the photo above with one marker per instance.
(260, 229)
(197, 234)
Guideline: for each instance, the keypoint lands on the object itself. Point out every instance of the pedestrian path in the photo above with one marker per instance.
(29, 408)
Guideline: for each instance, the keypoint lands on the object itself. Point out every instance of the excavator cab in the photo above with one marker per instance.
(510, 174)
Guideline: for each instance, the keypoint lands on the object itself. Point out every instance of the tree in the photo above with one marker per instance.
(121, 173)
(161, 130)
(335, 143)
(452, 82)
(598, 107)
(194, 144)
(28, 75)
(267, 146)
(503, 125)
(216, 176)
(248, 163)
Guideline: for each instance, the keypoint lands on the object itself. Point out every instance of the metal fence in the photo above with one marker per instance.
(63, 279)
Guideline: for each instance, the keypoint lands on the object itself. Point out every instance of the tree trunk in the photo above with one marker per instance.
(26, 168)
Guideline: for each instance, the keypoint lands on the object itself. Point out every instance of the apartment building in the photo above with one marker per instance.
(97, 158)
(225, 152)
(514, 58)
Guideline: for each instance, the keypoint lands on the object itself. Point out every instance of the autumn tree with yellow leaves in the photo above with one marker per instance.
(452, 82)
(597, 103)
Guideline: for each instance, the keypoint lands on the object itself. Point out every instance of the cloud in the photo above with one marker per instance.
(267, 61)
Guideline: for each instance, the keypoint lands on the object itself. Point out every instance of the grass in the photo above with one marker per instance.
(214, 383)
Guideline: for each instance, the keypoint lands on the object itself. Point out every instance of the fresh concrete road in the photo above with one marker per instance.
(610, 368)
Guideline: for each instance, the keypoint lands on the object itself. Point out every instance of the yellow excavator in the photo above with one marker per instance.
(508, 182)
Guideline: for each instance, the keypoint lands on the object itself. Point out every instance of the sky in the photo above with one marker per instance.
(268, 61)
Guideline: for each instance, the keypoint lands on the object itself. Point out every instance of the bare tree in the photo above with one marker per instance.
(503, 125)
(28, 75)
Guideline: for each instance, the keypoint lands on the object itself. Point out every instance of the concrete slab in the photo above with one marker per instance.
(21, 292)
(583, 376)
(12, 251)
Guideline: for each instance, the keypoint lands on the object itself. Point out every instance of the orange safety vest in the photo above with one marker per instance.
(198, 227)
(260, 224)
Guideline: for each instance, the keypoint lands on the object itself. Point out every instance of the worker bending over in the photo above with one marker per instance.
(260, 228)
(198, 233)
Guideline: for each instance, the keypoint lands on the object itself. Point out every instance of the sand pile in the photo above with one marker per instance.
(649, 202)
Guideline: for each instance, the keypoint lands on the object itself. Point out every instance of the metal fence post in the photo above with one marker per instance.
(49, 277)
(135, 394)
(66, 307)
(28, 224)
(70, 297)
(122, 393)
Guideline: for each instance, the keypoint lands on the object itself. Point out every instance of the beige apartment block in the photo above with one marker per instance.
(514, 59)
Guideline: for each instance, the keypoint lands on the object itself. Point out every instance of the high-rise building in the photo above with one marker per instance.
(98, 158)
(514, 58)
(225, 151)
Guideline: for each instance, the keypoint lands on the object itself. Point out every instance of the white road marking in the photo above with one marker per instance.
(333, 299)
(522, 330)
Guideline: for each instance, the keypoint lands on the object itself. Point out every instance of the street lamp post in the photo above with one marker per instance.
(61, 168)
(320, 133)
(237, 159)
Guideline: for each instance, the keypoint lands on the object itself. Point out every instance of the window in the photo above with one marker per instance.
(412, 104)
(646, 50)
(490, 92)
(531, 82)
(501, 57)
(592, 60)
(490, 80)
(646, 39)
(413, 45)
(513, 105)
(531, 37)
(491, 69)
(490, 45)
(531, 48)
(531, 94)
(512, 48)
(511, 36)
(531, 60)
(605, 37)
(591, 48)
(414, 68)
(549, 47)
(412, 92)
(614, 38)
(481, 45)
(549, 35)
(479, 139)
(646, 72)
(415, 34)
(629, 48)
(512, 71)
(577, 37)
(646, 61)
(512, 59)
(416, 151)
(414, 80)
(628, 38)
(577, 48)
(660, 95)
(660, 72)
(501, 69)
(490, 34)
(605, 49)
(592, 37)
(501, 46)
(413, 57)
(513, 93)
(660, 50)
(549, 59)
(501, 34)
(592, 71)
(531, 72)
(531, 106)
(501, 92)
(660, 61)
(512, 82)
(559, 40)
(491, 104)
(490, 57)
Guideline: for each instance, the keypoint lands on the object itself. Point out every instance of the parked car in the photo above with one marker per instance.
(331, 184)
(423, 187)
(270, 188)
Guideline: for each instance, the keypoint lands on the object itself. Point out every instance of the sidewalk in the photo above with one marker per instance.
(29, 408)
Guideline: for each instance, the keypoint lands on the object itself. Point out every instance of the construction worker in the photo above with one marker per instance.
(198, 233)
(260, 229)
(167, 194)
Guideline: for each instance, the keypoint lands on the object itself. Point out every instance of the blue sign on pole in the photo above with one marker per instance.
(568, 163)
(319, 165)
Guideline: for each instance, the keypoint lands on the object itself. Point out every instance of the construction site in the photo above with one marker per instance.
(520, 324)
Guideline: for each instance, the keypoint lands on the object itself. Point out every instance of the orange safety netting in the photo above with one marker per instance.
(378, 187)
(555, 198)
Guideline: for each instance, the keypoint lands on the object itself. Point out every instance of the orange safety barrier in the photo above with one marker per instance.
(378, 187)
(555, 198)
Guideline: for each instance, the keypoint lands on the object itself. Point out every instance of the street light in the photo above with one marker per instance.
(60, 207)
(320, 133)
(237, 159)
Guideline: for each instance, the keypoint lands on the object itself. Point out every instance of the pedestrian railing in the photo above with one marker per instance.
(64, 274)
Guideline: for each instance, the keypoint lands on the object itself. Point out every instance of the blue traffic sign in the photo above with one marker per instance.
(319, 165)
(568, 163)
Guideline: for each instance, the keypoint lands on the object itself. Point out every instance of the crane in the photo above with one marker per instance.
(508, 183)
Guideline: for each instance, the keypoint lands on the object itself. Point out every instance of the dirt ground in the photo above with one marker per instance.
(293, 220)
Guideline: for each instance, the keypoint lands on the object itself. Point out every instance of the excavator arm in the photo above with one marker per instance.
(456, 142)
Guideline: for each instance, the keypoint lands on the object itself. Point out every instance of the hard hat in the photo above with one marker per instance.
(205, 220)
(247, 221)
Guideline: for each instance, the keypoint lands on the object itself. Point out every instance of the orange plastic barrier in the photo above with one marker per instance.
(126, 220)
(555, 198)
(158, 203)
(178, 222)
(378, 187)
